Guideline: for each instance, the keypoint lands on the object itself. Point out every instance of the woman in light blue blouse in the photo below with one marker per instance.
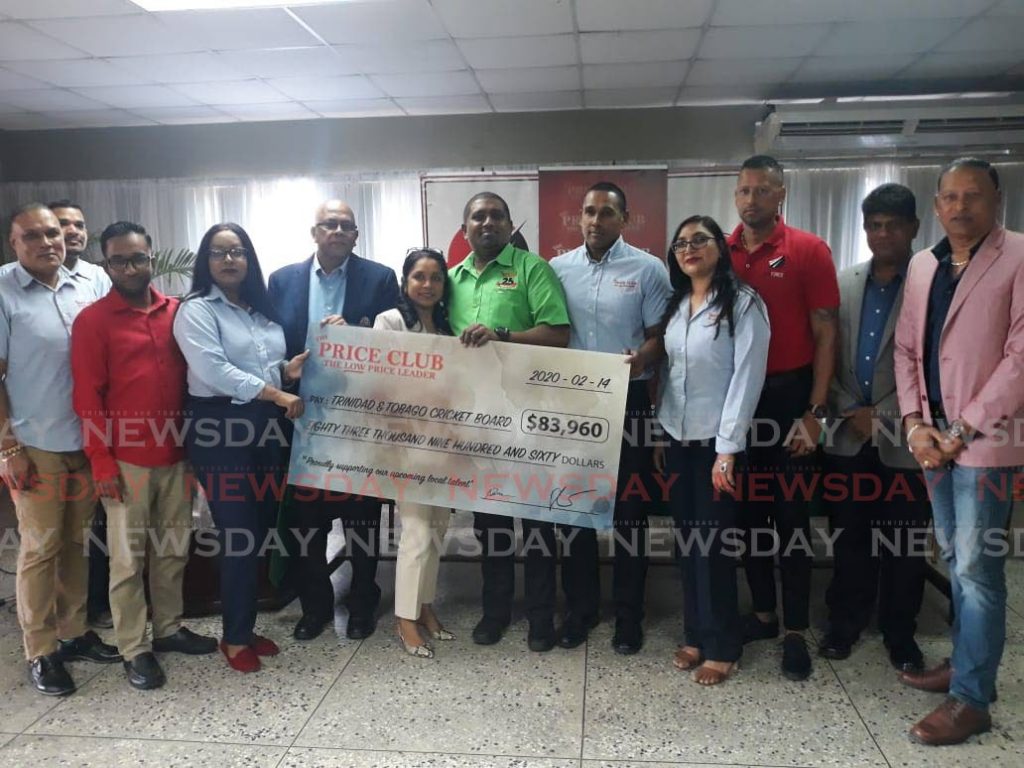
(235, 352)
(715, 334)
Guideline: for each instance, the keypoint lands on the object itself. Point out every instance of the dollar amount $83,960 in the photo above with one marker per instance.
(547, 424)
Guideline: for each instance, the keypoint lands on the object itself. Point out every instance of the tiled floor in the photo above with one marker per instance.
(335, 702)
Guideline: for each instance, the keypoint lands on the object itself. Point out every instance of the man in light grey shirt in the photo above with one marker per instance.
(616, 296)
(41, 457)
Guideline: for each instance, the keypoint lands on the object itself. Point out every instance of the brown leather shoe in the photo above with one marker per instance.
(952, 722)
(934, 680)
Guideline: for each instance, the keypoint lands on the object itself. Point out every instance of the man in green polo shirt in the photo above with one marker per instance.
(503, 293)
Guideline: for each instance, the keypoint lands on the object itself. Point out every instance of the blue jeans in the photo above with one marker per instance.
(971, 507)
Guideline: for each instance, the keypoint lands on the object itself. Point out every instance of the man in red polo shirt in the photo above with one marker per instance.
(794, 273)
(129, 391)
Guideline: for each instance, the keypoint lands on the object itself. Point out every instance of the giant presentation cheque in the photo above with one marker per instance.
(508, 429)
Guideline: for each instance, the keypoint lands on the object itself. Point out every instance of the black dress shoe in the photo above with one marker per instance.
(755, 629)
(575, 630)
(185, 641)
(360, 626)
(88, 647)
(48, 675)
(906, 656)
(835, 646)
(541, 637)
(310, 627)
(796, 661)
(144, 672)
(489, 630)
(628, 638)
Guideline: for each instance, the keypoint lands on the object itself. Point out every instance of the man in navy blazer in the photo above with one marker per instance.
(334, 285)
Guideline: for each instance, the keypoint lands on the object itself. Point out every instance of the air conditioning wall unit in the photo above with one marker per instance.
(861, 128)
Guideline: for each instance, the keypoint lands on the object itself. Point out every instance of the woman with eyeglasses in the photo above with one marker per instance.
(421, 308)
(715, 334)
(235, 351)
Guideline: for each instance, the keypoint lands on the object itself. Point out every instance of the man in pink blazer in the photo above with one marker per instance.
(960, 377)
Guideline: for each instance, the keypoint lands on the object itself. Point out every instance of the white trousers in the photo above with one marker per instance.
(419, 555)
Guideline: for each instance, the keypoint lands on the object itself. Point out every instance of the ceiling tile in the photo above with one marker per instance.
(956, 65)
(745, 12)
(397, 20)
(48, 100)
(391, 58)
(284, 111)
(719, 95)
(131, 96)
(135, 35)
(64, 9)
(179, 67)
(471, 18)
(536, 102)
(988, 34)
(429, 84)
(642, 14)
(650, 75)
(237, 29)
(100, 118)
(326, 88)
(537, 51)
(831, 69)
(886, 37)
(20, 43)
(761, 42)
(729, 71)
(232, 92)
(355, 108)
(10, 80)
(77, 73)
(529, 79)
(291, 62)
(629, 47)
(31, 121)
(184, 115)
(445, 105)
(629, 97)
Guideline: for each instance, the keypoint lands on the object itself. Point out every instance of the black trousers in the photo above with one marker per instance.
(497, 537)
(882, 514)
(580, 567)
(772, 500)
(243, 480)
(99, 565)
(314, 511)
(708, 542)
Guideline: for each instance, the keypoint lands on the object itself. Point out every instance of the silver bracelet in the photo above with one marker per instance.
(911, 431)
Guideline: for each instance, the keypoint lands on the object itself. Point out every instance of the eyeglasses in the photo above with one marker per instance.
(425, 251)
(332, 225)
(238, 254)
(696, 243)
(138, 261)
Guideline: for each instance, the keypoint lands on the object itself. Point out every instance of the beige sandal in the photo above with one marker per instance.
(705, 675)
(686, 660)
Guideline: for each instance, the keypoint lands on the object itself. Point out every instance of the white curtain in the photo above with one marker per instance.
(276, 212)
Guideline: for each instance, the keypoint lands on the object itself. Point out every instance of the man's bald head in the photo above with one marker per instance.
(334, 232)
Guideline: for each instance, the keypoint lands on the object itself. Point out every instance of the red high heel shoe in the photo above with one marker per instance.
(245, 660)
(264, 646)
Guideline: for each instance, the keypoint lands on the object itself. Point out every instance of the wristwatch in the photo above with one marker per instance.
(819, 412)
(957, 430)
(504, 334)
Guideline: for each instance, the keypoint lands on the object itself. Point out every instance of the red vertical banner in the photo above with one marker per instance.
(560, 201)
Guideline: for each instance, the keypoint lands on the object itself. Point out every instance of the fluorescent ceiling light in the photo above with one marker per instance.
(928, 96)
(217, 5)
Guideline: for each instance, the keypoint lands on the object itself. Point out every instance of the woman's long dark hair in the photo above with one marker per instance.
(440, 312)
(725, 285)
(253, 289)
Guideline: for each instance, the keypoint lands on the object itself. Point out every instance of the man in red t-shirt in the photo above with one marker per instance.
(793, 272)
(129, 392)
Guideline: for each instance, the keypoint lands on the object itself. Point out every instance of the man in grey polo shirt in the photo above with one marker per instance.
(617, 295)
(41, 457)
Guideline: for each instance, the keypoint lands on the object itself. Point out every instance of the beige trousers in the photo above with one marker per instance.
(419, 555)
(53, 575)
(154, 518)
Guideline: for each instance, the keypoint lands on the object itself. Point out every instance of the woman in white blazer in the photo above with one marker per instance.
(421, 308)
